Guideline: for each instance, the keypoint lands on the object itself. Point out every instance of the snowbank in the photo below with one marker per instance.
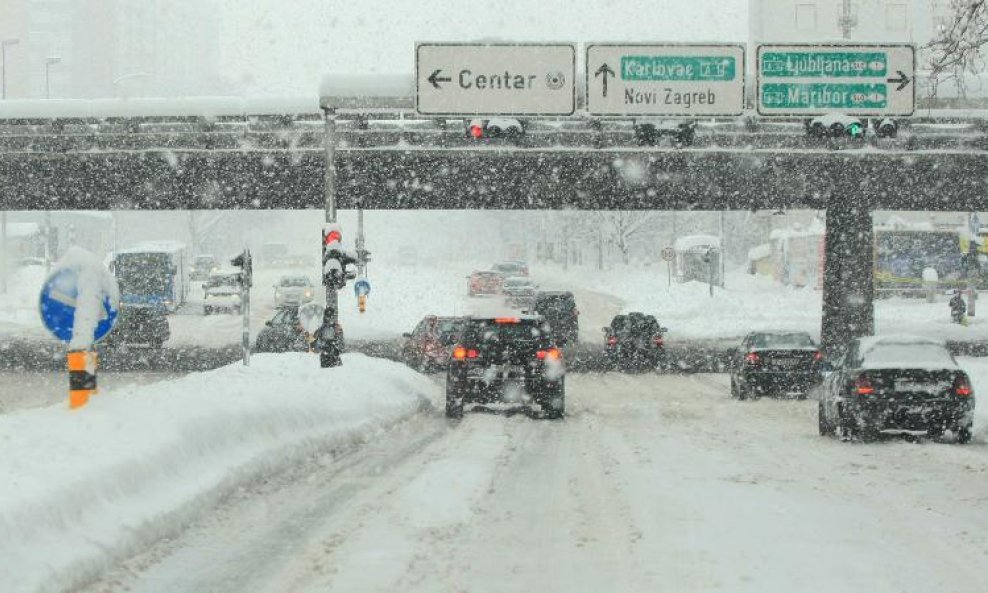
(82, 489)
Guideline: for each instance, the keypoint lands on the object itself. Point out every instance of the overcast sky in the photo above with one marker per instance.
(277, 47)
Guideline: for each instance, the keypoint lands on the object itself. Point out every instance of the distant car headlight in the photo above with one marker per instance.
(308, 293)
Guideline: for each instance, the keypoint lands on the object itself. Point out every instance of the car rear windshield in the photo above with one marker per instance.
(215, 281)
(301, 281)
(908, 356)
(556, 303)
(781, 341)
(491, 331)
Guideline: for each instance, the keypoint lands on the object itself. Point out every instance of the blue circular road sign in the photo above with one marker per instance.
(361, 287)
(58, 306)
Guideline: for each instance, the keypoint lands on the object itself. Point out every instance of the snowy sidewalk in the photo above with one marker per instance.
(83, 489)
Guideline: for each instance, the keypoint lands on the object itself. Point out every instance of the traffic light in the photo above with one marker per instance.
(335, 259)
(887, 128)
(245, 263)
(482, 129)
(651, 133)
(836, 125)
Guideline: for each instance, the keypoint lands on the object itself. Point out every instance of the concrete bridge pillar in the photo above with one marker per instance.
(848, 284)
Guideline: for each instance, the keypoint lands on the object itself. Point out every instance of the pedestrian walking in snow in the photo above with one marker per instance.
(957, 308)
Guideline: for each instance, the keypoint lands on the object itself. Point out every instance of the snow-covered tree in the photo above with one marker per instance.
(959, 46)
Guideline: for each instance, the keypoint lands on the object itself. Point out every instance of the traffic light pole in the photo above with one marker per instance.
(330, 140)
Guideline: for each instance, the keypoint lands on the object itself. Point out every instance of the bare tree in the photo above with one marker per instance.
(622, 227)
(958, 48)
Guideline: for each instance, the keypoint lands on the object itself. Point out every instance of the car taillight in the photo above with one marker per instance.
(657, 339)
(818, 356)
(550, 354)
(863, 386)
(752, 358)
(962, 387)
(500, 320)
(461, 353)
(612, 341)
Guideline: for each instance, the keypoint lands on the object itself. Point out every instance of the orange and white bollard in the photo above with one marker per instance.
(82, 377)
(362, 303)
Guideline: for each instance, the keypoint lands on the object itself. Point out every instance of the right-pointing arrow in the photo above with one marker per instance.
(902, 81)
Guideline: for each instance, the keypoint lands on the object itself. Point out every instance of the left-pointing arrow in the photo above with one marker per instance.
(435, 79)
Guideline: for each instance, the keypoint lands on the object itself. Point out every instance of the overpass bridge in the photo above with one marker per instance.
(389, 158)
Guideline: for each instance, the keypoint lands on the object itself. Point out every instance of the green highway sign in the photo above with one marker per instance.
(826, 97)
(625, 79)
(853, 79)
(678, 68)
(842, 64)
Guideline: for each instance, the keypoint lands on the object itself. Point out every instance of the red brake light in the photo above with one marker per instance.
(612, 341)
(962, 387)
(506, 320)
(818, 356)
(477, 131)
(471, 353)
(551, 354)
(657, 339)
(752, 358)
(863, 386)
(459, 353)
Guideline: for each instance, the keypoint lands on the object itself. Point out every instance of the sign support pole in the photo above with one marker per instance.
(330, 140)
(82, 377)
(245, 341)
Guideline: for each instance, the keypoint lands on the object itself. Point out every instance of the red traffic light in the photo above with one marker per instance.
(333, 236)
(477, 131)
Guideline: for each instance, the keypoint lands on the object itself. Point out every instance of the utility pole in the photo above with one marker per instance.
(360, 244)
(332, 296)
(723, 248)
(3, 252)
(846, 21)
(4, 44)
(48, 64)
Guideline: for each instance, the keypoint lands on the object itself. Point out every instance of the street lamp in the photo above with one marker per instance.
(48, 64)
(4, 44)
(133, 75)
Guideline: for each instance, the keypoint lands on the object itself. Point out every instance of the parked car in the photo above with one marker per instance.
(484, 283)
(506, 360)
(202, 267)
(293, 289)
(896, 383)
(559, 310)
(518, 292)
(635, 341)
(775, 363)
(429, 345)
(222, 292)
(139, 327)
(511, 269)
(284, 333)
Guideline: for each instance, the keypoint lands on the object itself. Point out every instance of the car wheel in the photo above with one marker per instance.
(826, 429)
(963, 434)
(553, 403)
(845, 425)
(206, 310)
(454, 402)
(742, 392)
(734, 388)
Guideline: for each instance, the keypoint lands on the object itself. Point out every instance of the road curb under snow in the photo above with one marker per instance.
(83, 490)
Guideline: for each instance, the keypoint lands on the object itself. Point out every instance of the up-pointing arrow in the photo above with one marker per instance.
(606, 71)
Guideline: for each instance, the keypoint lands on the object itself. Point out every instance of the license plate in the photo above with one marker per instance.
(912, 386)
(787, 362)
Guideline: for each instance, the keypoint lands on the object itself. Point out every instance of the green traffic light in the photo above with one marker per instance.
(855, 130)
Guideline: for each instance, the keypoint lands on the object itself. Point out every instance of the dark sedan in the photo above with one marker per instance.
(896, 384)
(284, 333)
(775, 363)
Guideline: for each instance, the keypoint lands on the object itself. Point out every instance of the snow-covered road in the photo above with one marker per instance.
(653, 483)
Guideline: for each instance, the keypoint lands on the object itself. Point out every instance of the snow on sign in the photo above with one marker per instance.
(851, 79)
(495, 79)
(79, 300)
(674, 79)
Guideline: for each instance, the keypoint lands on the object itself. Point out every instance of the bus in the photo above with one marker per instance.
(152, 274)
(901, 255)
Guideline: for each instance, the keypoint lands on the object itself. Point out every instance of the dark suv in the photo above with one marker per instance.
(509, 360)
(634, 341)
(560, 312)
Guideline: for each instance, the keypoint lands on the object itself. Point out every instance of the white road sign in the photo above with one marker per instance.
(673, 79)
(495, 79)
(852, 79)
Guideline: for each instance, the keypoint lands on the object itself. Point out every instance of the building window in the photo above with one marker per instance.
(806, 17)
(895, 18)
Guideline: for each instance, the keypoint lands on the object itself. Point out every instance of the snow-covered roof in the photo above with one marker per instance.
(760, 252)
(815, 228)
(905, 351)
(154, 247)
(22, 229)
(897, 223)
(691, 242)
(157, 107)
